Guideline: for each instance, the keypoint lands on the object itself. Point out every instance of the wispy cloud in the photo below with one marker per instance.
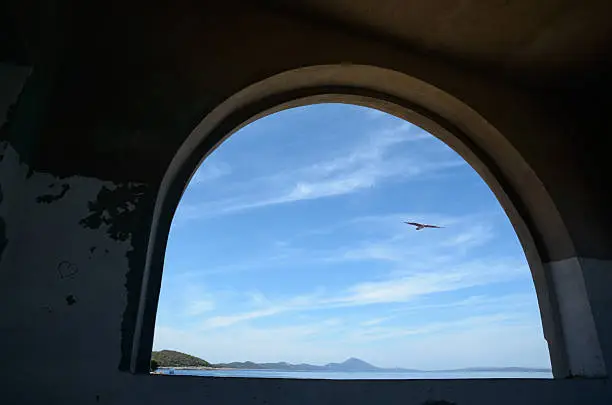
(369, 162)
(399, 243)
(393, 290)
(271, 308)
(211, 171)
(381, 333)
(199, 306)
(376, 321)
(477, 302)
(184, 300)
(418, 269)
(220, 321)
(389, 240)
(294, 343)
(476, 235)
(408, 288)
(502, 339)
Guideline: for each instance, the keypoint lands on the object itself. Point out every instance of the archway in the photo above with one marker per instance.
(531, 211)
(289, 247)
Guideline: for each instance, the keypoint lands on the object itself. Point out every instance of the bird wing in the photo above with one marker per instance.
(413, 223)
(432, 226)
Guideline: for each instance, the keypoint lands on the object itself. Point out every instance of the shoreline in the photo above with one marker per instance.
(408, 371)
(194, 368)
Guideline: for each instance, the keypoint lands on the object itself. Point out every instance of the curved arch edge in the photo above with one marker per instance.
(530, 209)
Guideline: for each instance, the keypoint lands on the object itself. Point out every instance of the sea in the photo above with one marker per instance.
(360, 375)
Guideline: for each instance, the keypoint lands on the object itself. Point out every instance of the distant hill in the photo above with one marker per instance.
(351, 364)
(249, 365)
(171, 358)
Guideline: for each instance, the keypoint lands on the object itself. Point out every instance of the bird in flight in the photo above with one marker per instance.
(422, 226)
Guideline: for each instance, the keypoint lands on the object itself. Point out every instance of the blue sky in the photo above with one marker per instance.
(289, 245)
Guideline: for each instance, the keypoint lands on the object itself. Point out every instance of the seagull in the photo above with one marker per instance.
(422, 226)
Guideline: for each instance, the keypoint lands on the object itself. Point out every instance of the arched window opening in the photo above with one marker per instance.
(292, 254)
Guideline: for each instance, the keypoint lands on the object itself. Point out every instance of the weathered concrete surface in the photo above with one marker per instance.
(115, 92)
(598, 279)
(59, 275)
(575, 308)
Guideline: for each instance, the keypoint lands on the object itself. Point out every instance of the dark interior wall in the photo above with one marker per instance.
(591, 141)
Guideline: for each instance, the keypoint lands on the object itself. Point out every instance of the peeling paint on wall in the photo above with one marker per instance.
(114, 210)
(115, 207)
(49, 198)
(60, 276)
(70, 300)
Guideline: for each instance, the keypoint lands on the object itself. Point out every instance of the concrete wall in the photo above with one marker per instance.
(88, 143)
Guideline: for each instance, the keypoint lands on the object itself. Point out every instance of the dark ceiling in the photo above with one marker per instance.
(546, 42)
(537, 40)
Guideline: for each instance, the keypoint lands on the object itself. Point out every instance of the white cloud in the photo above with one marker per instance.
(393, 242)
(199, 306)
(267, 308)
(497, 345)
(182, 300)
(479, 302)
(401, 244)
(292, 343)
(411, 284)
(477, 341)
(381, 333)
(364, 166)
(402, 289)
(497, 340)
(221, 321)
(376, 321)
(476, 235)
(210, 171)
(410, 287)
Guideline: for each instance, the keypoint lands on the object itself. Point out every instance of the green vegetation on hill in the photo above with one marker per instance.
(171, 358)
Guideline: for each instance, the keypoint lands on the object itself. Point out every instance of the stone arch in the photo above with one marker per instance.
(531, 210)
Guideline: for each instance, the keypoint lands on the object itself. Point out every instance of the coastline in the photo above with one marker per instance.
(399, 371)
(351, 375)
(194, 368)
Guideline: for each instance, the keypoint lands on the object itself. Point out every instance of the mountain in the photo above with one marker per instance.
(351, 364)
(249, 365)
(171, 358)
